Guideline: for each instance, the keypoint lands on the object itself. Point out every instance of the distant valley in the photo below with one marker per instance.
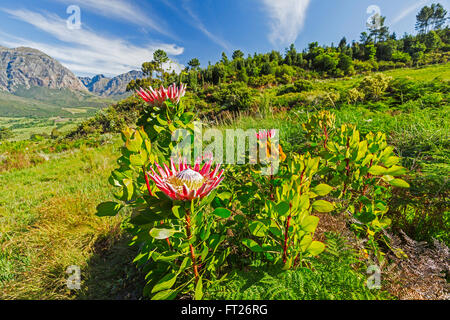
(33, 84)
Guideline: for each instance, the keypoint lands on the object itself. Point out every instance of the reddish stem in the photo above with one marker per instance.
(347, 167)
(325, 131)
(368, 177)
(286, 236)
(147, 182)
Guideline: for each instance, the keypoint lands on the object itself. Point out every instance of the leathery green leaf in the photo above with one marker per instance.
(316, 248)
(322, 189)
(252, 245)
(165, 282)
(399, 183)
(161, 233)
(322, 206)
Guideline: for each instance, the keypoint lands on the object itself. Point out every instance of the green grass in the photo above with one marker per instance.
(47, 220)
(426, 73)
(24, 127)
(48, 223)
(46, 103)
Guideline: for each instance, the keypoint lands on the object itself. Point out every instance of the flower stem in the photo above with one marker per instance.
(325, 132)
(147, 182)
(286, 236)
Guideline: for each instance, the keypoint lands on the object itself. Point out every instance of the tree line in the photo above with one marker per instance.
(377, 49)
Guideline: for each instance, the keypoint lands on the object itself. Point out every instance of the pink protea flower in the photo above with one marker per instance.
(186, 182)
(159, 96)
(265, 134)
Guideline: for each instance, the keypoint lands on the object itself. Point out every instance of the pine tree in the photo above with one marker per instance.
(424, 19)
(439, 16)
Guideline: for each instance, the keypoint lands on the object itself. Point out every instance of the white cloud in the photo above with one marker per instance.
(83, 51)
(123, 10)
(407, 11)
(287, 19)
(195, 21)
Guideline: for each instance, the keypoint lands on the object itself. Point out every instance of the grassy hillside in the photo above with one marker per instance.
(50, 190)
(46, 103)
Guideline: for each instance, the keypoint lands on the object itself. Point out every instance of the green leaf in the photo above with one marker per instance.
(198, 294)
(309, 223)
(167, 257)
(322, 206)
(160, 234)
(304, 202)
(252, 245)
(186, 262)
(165, 283)
(108, 209)
(134, 144)
(377, 170)
(391, 161)
(322, 189)
(165, 295)
(224, 195)
(399, 183)
(128, 183)
(138, 160)
(305, 243)
(316, 248)
(282, 208)
(222, 212)
(396, 171)
(258, 229)
(178, 211)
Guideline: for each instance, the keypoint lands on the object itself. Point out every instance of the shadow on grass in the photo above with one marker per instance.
(111, 273)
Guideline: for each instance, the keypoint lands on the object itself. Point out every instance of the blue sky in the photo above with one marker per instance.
(116, 36)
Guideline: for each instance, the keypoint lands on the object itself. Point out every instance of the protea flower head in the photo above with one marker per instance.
(264, 137)
(265, 134)
(159, 96)
(186, 182)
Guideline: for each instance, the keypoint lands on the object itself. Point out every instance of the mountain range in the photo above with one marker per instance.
(107, 87)
(44, 83)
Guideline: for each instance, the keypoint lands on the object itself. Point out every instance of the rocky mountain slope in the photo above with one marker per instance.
(24, 68)
(108, 87)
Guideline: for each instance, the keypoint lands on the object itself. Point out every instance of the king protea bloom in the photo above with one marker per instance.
(185, 182)
(265, 134)
(159, 96)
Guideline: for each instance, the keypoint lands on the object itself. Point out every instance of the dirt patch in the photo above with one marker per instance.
(424, 275)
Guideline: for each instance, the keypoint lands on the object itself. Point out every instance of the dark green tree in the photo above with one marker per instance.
(160, 57)
(343, 43)
(365, 38)
(424, 18)
(439, 16)
(377, 30)
(238, 54)
(432, 40)
(194, 63)
(345, 63)
(224, 60)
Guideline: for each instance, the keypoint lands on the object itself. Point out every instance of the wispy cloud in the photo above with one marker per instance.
(189, 16)
(407, 11)
(84, 51)
(287, 19)
(124, 10)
